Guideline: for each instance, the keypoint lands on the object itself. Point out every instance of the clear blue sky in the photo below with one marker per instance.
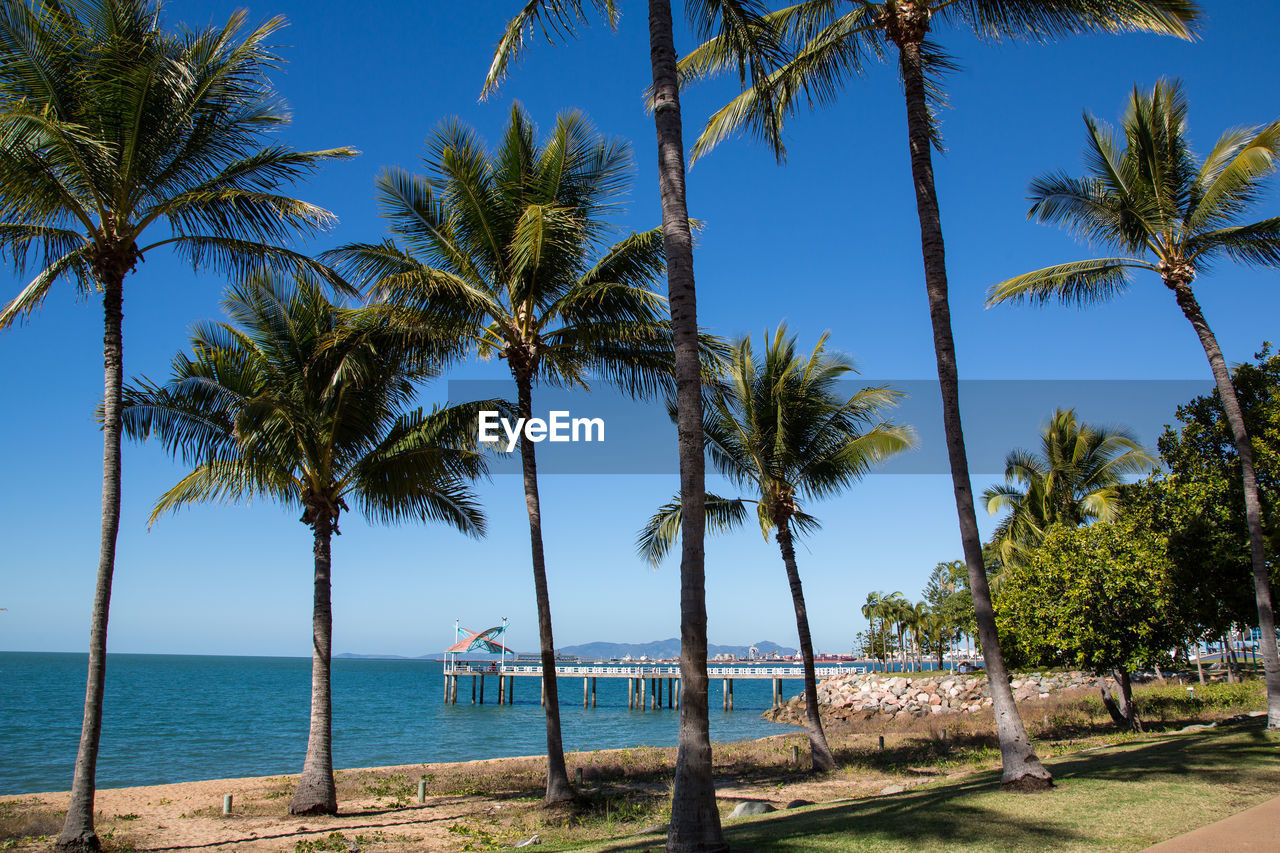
(829, 241)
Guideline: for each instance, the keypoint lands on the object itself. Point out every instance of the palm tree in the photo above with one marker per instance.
(871, 611)
(826, 48)
(508, 254)
(299, 403)
(917, 618)
(695, 820)
(937, 630)
(884, 607)
(110, 126)
(1073, 479)
(900, 612)
(776, 425)
(1147, 196)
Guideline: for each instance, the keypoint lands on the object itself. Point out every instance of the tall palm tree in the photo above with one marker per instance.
(778, 426)
(508, 253)
(298, 402)
(1145, 194)
(830, 41)
(917, 618)
(872, 610)
(695, 820)
(1074, 478)
(110, 127)
(899, 611)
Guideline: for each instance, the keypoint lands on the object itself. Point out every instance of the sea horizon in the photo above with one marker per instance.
(181, 717)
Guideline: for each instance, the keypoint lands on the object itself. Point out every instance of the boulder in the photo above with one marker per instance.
(747, 808)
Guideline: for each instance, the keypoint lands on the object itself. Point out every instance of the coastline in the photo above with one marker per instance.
(377, 804)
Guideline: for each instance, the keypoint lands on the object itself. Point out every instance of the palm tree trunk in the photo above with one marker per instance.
(818, 748)
(1199, 663)
(77, 830)
(558, 788)
(1252, 508)
(317, 793)
(695, 820)
(1022, 769)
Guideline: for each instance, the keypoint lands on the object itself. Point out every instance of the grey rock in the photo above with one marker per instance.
(893, 789)
(529, 842)
(795, 804)
(657, 827)
(747, 808)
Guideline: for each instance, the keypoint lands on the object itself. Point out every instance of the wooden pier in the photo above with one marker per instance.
(648, 687)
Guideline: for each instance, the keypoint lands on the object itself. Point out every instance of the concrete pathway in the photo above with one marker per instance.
(1257, 829)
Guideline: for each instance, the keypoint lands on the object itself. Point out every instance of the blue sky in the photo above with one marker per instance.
(830, 241)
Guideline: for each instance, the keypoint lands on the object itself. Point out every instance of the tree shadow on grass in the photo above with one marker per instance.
(949, 815)
(902, 821)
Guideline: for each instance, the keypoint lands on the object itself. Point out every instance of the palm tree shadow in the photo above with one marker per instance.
(948, 814)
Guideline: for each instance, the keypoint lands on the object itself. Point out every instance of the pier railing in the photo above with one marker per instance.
(648, 685)
(651, 670)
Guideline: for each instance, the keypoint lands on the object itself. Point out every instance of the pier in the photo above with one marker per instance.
(649, 687)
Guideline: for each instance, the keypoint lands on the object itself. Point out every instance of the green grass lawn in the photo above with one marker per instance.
(1120, 798)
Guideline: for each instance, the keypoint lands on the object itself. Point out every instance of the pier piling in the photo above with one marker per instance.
(473, 690)
(482, 690)
(593, 692)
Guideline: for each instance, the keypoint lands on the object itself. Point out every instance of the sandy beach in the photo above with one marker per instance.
(495, 799)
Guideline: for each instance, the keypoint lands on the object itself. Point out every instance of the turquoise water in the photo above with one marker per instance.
(174, 718)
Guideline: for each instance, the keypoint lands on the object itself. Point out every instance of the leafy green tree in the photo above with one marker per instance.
(1073, 478)
(777, 426)
(830, 43)
(121, 138)
(507, 254)
(298, 402)
(945, 592)
(1200, 502)
(1099, 597)
(695, 820)
(1145, 194)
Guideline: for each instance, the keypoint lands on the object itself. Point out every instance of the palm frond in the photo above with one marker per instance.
(1228, 182)
(1079, 282)
(557, 19)
(1257, 243)
(662, 531)
(73, 264)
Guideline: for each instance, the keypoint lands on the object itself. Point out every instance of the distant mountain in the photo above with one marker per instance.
(350, 656)
(659, 649)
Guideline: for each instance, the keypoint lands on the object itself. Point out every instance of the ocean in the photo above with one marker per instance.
(177, 718)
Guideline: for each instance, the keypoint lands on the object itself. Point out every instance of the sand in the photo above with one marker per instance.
(188, 815)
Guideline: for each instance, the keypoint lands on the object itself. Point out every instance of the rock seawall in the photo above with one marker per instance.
(897, 696)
